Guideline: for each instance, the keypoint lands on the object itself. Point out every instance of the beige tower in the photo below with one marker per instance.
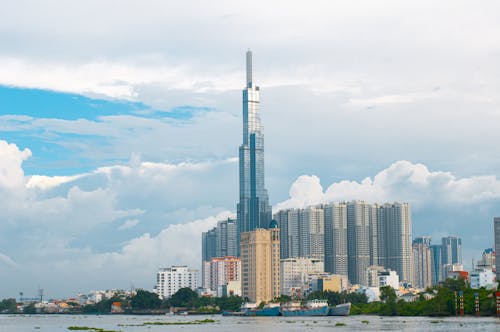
(260, 264)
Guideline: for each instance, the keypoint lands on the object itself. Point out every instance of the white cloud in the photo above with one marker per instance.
(69, 227)
(129, 223)
(401, 181)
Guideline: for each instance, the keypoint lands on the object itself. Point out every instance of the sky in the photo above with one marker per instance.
(120, 123)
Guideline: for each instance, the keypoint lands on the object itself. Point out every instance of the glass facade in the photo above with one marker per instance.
(253, 208)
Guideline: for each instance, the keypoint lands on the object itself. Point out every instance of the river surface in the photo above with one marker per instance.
(55, 323)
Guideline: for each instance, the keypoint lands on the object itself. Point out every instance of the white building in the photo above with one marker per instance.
(170, 280)
(378, 276)
(483, 278)
(295, 272)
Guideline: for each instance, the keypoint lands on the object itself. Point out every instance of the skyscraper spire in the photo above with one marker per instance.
(249, 68)
(254, 210)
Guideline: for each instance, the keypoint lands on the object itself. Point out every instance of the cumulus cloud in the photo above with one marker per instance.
(68, 225)
(11, 173)
(401, 181)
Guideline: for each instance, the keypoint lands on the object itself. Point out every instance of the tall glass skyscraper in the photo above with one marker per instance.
(254, 210)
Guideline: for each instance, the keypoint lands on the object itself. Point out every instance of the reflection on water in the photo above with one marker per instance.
(54, 323)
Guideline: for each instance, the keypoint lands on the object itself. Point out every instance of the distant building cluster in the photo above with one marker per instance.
(355, 246)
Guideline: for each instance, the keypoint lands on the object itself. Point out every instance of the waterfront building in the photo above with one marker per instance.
(395, 239)
(358, 241)
(336, 258)
(436, 264)
(170, 280)
(378, 276)
(219, 271)
(496, 228)
(295, 273)
(422, 262)
(329, 283)
(451, 247)
(482, 278)
(260, 263)
(253, 209)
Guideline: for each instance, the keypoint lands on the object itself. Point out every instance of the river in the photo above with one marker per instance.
(54, 323)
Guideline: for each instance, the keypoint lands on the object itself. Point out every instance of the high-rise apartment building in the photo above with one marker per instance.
(288, 222)
(312, 235)
(394, 239)
(170, 280)
(253, 208)
(496, 225)
(422, 268)
(303, 232)
(358, 241)
(260, 263)
(451, 250)
(336, 238)
(209, 244)
(436, 264)
(227, 238)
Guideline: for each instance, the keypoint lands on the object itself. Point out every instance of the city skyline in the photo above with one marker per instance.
(115, 149)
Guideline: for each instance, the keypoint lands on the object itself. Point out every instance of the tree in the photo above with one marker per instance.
(8, 306)
(144, 300)
(184, 297)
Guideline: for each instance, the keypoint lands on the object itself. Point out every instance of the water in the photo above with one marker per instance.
(54, 323)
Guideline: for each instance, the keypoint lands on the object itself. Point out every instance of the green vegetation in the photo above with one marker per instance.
(442, 302)
(340, 324)
(145, 300)
(86, 328)
(335, 298)
(8, 306)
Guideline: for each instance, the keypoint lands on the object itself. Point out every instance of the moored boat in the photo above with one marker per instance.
(340, 310)
(266, 311)
(312, 308)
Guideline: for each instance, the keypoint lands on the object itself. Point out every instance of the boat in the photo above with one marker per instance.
(266, 311)
(312, 308)
(233, 313)
(251, 309)
(340, 310)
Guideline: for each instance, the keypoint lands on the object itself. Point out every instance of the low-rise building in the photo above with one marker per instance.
(378, 276)
(329, 282)
(295, 273)
(482, 278)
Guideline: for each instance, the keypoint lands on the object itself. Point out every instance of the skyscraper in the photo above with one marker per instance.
(336, 238)
(436, 264)
(209, 245)
(451, 250)
(422, 262)
(253, 208)
(358, 241)
(227, 243)
(312, 235)
(394, 238)
(496, 222)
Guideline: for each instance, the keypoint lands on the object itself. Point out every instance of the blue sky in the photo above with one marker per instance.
(118, 141)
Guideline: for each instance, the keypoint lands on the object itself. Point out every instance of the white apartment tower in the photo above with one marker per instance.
(170, 280)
